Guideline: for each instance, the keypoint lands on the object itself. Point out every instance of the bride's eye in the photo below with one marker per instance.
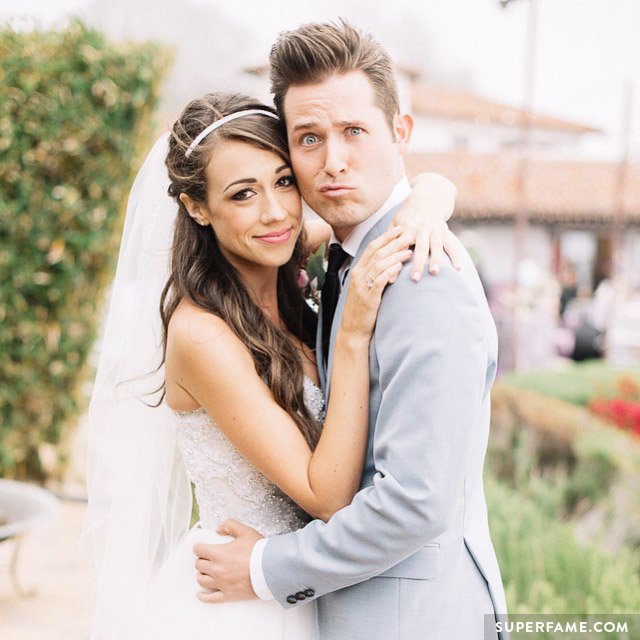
(245, 194)
(286, 181)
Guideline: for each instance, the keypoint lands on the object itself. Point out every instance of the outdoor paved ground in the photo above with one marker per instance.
(50, 562)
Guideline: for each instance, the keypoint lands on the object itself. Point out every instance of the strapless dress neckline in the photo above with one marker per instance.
(226, 484)
(308, 384)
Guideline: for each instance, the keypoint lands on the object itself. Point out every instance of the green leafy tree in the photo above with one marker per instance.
(75, 112)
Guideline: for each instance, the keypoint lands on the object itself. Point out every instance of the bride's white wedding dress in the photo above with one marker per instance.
(226, 486)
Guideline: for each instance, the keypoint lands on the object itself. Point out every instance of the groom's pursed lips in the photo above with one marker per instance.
(335, 190)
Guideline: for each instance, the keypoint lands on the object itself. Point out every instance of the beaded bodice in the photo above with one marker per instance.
(227, 485)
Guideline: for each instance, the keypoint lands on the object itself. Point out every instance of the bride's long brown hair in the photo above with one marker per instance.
(201, 273)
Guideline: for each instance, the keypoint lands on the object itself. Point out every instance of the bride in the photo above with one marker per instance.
(240, 411)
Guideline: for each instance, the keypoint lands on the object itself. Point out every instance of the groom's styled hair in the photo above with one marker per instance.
(313, 52)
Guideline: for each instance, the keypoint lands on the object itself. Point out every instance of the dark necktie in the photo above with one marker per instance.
(331, 293)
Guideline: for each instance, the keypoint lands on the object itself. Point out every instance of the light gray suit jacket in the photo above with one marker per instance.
(411, 557)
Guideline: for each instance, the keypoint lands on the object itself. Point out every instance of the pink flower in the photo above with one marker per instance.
(303, 279)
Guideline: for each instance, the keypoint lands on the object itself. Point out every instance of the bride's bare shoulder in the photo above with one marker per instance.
(192, 326)
(200, 348)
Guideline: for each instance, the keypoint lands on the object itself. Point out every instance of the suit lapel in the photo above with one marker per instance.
(322, 373)
(378, 228)
(337, 319)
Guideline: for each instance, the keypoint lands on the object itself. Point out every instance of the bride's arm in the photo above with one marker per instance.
(335, 469)
(424, 215)
(208, 361)
(316, 233)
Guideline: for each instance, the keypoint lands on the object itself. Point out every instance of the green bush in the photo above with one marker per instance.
(546, 570)
(570, 463)
(75, 112)
(577, 383)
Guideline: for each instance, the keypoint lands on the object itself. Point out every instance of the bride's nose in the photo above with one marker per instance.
(272, 210)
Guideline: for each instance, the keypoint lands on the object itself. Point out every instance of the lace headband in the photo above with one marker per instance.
(218, 123)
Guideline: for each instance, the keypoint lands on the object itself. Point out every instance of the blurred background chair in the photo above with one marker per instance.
(22, 508)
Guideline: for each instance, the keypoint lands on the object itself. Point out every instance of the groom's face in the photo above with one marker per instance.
(344, 153)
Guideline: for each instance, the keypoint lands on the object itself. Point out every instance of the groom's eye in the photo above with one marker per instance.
(355, 131)
(309, 139)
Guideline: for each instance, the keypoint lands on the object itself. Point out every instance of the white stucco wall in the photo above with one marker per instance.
(494, 246)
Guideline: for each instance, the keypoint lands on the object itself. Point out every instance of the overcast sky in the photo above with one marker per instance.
(587, 49)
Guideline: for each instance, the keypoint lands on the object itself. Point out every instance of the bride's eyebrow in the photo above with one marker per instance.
(241, 181)
(253, 180)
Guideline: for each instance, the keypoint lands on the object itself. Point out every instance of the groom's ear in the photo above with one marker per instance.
(402, 129)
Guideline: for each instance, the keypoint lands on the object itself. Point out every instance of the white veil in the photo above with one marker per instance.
(139, 493)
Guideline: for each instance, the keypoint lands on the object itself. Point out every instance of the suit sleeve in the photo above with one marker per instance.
(431, 350)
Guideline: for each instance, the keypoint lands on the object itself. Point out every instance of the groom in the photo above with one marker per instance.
(411, 557)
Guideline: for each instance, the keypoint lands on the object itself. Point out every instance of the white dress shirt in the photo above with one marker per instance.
(351, 245)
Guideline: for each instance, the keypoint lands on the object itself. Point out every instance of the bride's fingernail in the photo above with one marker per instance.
(415, 276)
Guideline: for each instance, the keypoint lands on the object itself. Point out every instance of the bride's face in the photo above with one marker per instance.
(252, 204)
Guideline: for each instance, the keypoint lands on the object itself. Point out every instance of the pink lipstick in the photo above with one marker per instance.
(276, 237)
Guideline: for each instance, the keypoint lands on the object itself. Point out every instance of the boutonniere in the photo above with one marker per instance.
(311, 276)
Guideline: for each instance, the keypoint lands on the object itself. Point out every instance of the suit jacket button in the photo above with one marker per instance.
(309, 593)
(292, 599)
(300, 596)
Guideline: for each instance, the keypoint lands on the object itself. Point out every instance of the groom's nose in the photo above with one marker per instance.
(336, 156)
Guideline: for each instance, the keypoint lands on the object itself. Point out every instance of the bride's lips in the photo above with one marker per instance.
(276, 237)
(335, 190)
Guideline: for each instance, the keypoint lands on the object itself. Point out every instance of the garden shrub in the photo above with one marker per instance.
(572, 464)
(576, 383)
(75, 111)
(547, 570)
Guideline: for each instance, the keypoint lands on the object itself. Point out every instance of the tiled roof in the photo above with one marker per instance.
(567, 192)
(453, 104)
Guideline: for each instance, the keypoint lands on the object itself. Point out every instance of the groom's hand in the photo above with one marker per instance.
(223, 569)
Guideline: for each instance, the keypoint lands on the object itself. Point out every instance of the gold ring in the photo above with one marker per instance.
(369, 280)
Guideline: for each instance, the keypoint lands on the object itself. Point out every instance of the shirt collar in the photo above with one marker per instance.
(352, 242)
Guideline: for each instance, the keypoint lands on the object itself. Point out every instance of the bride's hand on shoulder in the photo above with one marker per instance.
(379, 265)
(424, 216)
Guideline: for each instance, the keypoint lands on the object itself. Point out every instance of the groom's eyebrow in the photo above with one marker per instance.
(349, 123)
(339, 123)
(304, 125)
